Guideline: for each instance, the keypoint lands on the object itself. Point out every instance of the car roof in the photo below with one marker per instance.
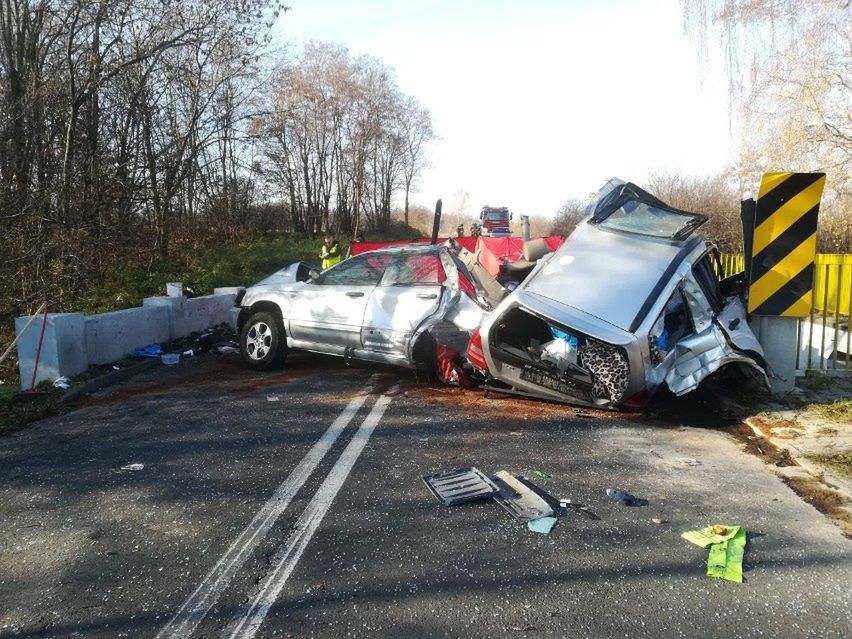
(407, 248)
(610, 274)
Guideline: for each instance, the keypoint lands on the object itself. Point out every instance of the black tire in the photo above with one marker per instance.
(263, 344)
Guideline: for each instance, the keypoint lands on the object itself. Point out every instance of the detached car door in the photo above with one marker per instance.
(329, 311)
(410, 291)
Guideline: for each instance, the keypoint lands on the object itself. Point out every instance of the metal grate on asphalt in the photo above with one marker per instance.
(460, 486)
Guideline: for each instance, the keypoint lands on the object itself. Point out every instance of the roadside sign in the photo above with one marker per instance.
(784, 244)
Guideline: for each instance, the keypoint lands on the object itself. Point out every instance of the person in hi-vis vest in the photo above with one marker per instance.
(330, 252)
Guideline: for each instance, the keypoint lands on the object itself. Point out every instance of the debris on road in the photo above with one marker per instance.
(460, 486)
(542, 474)
(518, 499)
(567, 504)
(152, 350)
(686, 461)
(188, 353)
(542, 525)
(272, 398)
(727, 548)
(620, 495)
(132, 467)
(62, 382)
(170, 358)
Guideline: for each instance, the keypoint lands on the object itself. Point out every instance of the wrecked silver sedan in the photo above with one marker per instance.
(628, 303)
(406, 305)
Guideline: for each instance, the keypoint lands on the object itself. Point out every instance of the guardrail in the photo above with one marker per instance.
(825, 339)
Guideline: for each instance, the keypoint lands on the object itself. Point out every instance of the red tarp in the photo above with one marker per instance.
(493, 251)
(362, 247)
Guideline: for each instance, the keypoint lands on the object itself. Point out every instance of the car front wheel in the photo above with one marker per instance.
(262, 342)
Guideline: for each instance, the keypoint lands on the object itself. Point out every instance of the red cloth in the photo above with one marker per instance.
(493, 251)
(362, 247)
(450, 367)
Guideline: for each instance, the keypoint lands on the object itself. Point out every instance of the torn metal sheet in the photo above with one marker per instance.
(460, 486)
(518, 499)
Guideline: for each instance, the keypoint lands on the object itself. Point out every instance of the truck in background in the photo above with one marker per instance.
(495, 220)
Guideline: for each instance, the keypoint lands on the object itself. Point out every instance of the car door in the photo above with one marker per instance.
(410, 291)
(720, 335)
(329, 311)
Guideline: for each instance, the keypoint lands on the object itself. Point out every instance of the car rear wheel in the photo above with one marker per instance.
(262, 341)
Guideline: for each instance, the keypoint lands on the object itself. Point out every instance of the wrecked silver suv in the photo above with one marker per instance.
(401, 305)
(628, 303)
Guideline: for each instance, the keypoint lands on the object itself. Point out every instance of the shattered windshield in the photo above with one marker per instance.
(623, 206)
(638, 217)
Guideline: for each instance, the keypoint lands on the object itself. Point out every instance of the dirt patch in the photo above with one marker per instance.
(761, 447)
(499, 408)
(824, 500)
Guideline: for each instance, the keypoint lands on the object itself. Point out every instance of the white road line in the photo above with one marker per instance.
(193, 611)
(285, 560)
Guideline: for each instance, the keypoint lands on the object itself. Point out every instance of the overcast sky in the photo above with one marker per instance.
(536, 101)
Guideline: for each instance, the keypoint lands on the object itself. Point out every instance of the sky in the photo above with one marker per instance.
(538, 101)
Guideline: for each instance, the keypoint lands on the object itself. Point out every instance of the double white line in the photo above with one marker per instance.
(196, 608)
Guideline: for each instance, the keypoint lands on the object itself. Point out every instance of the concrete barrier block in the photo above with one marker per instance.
(206, 311)
(63, 350)
(228, 290)
(113, 336)
(175, 307)
(777, 336)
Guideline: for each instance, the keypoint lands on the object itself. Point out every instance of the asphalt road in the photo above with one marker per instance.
(307, 517)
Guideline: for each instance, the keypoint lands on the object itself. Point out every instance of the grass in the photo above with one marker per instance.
(17, 411)
(837, 411)
(839, 463)
(816, 382)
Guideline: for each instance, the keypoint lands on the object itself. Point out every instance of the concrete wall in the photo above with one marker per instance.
(73, 341)
(111, 336)
(63, 351)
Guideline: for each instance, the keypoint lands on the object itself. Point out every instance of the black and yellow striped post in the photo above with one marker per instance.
(784, 244)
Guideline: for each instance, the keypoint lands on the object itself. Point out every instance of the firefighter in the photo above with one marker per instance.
(330, 252)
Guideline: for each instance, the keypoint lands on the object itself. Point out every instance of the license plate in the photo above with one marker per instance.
(566, 387)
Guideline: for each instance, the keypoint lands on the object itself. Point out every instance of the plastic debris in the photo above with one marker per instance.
(188, 353)
(152, 350)
(460, 486)
(518, 499)
(542, 525)
(625, 498)
(541, 473)
(133, 467)
(567, 504)
(62, 382)
(727, 549)
(170, 358)
(560, 353)
(686, 461)
(116, 368)
(224, 350)
(272, 398)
